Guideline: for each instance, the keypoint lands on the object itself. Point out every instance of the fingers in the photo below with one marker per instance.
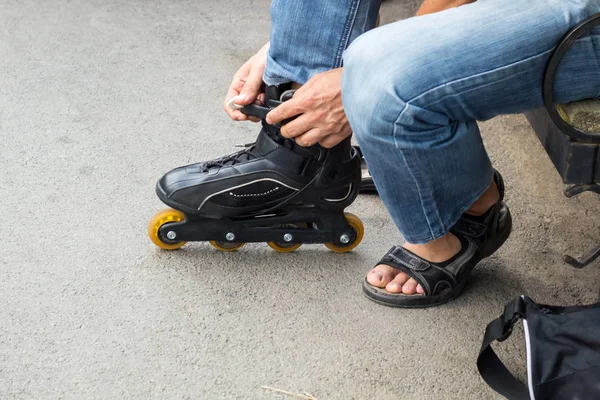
(309, 138)
(243, 90)
(246, 85)
(251, 87)
(308, 129)
(289, 109)
(297, 127)
(315, 136)
(237, 83)
(331, 141)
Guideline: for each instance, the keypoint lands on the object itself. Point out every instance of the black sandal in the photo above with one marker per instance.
(480, 237)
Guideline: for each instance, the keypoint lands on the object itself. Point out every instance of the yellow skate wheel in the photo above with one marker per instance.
(284, 247)
(359, 231)
(161, 218)
(226, 246)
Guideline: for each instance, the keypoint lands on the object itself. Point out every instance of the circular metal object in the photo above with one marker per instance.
(171, 235)
(288, 237)
(359, 230)
(345, 238)
(230, 236)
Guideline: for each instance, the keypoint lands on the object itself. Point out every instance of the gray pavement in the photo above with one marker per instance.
(97, 100)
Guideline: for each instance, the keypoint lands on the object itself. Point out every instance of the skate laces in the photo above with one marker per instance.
(231, 159)
(250, 152)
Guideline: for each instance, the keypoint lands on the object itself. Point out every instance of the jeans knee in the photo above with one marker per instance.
(371, 92)
(383, 89)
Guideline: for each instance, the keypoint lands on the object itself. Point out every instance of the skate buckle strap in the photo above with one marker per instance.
(254, 110)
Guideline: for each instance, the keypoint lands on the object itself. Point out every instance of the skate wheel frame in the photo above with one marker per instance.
(173, 216)
(359, 230)
(159, 219)
(284, 247)
(226, 246)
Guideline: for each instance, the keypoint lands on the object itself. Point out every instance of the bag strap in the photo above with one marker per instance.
(492, 370)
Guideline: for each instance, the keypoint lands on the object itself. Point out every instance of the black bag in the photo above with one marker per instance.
(563, 352)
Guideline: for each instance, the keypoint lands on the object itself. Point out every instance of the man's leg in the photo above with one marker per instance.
(309, 37)
(414, 89)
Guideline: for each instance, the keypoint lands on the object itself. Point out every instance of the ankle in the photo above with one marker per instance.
(486, 201)
(438, 250)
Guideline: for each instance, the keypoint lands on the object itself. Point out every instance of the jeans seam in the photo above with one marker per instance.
(346, 34)
(480, 74)
(416, 182)
(468, 90)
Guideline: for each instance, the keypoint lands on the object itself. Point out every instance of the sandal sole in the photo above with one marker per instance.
(391, 300)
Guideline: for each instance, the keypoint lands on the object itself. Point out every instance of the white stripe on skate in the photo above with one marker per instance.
(343, 198)
(246, 184)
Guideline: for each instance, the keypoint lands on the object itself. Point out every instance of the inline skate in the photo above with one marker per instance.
(272, 191)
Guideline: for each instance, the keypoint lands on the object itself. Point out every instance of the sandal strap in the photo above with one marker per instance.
(434, 279)
(468, 227)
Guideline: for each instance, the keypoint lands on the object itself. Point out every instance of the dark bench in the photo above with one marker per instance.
(570, 133)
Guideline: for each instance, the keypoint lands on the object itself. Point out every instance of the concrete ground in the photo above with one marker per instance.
(97, 100)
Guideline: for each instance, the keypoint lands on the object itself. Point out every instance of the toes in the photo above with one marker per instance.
(394, 281)
(395, 286)
(381, 275)
(410, 287)
(420, 289)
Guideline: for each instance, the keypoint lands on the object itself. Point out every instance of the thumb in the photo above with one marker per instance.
(251, 87)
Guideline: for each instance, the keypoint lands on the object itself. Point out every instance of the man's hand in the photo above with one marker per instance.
(246, 84)
(318, 104)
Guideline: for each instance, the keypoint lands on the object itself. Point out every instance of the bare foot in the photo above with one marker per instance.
(395, 281)
(437, 251)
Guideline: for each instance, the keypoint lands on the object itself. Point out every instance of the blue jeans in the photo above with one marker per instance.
(413, 90)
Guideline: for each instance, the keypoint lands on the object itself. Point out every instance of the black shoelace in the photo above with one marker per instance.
(246, 154)
(231, 159)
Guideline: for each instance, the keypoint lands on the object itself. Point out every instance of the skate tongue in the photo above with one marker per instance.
(315, 152)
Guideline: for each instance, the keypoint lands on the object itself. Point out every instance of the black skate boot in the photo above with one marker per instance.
(273, 191)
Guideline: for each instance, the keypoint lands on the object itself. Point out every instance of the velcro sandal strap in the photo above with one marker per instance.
(431, 277)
